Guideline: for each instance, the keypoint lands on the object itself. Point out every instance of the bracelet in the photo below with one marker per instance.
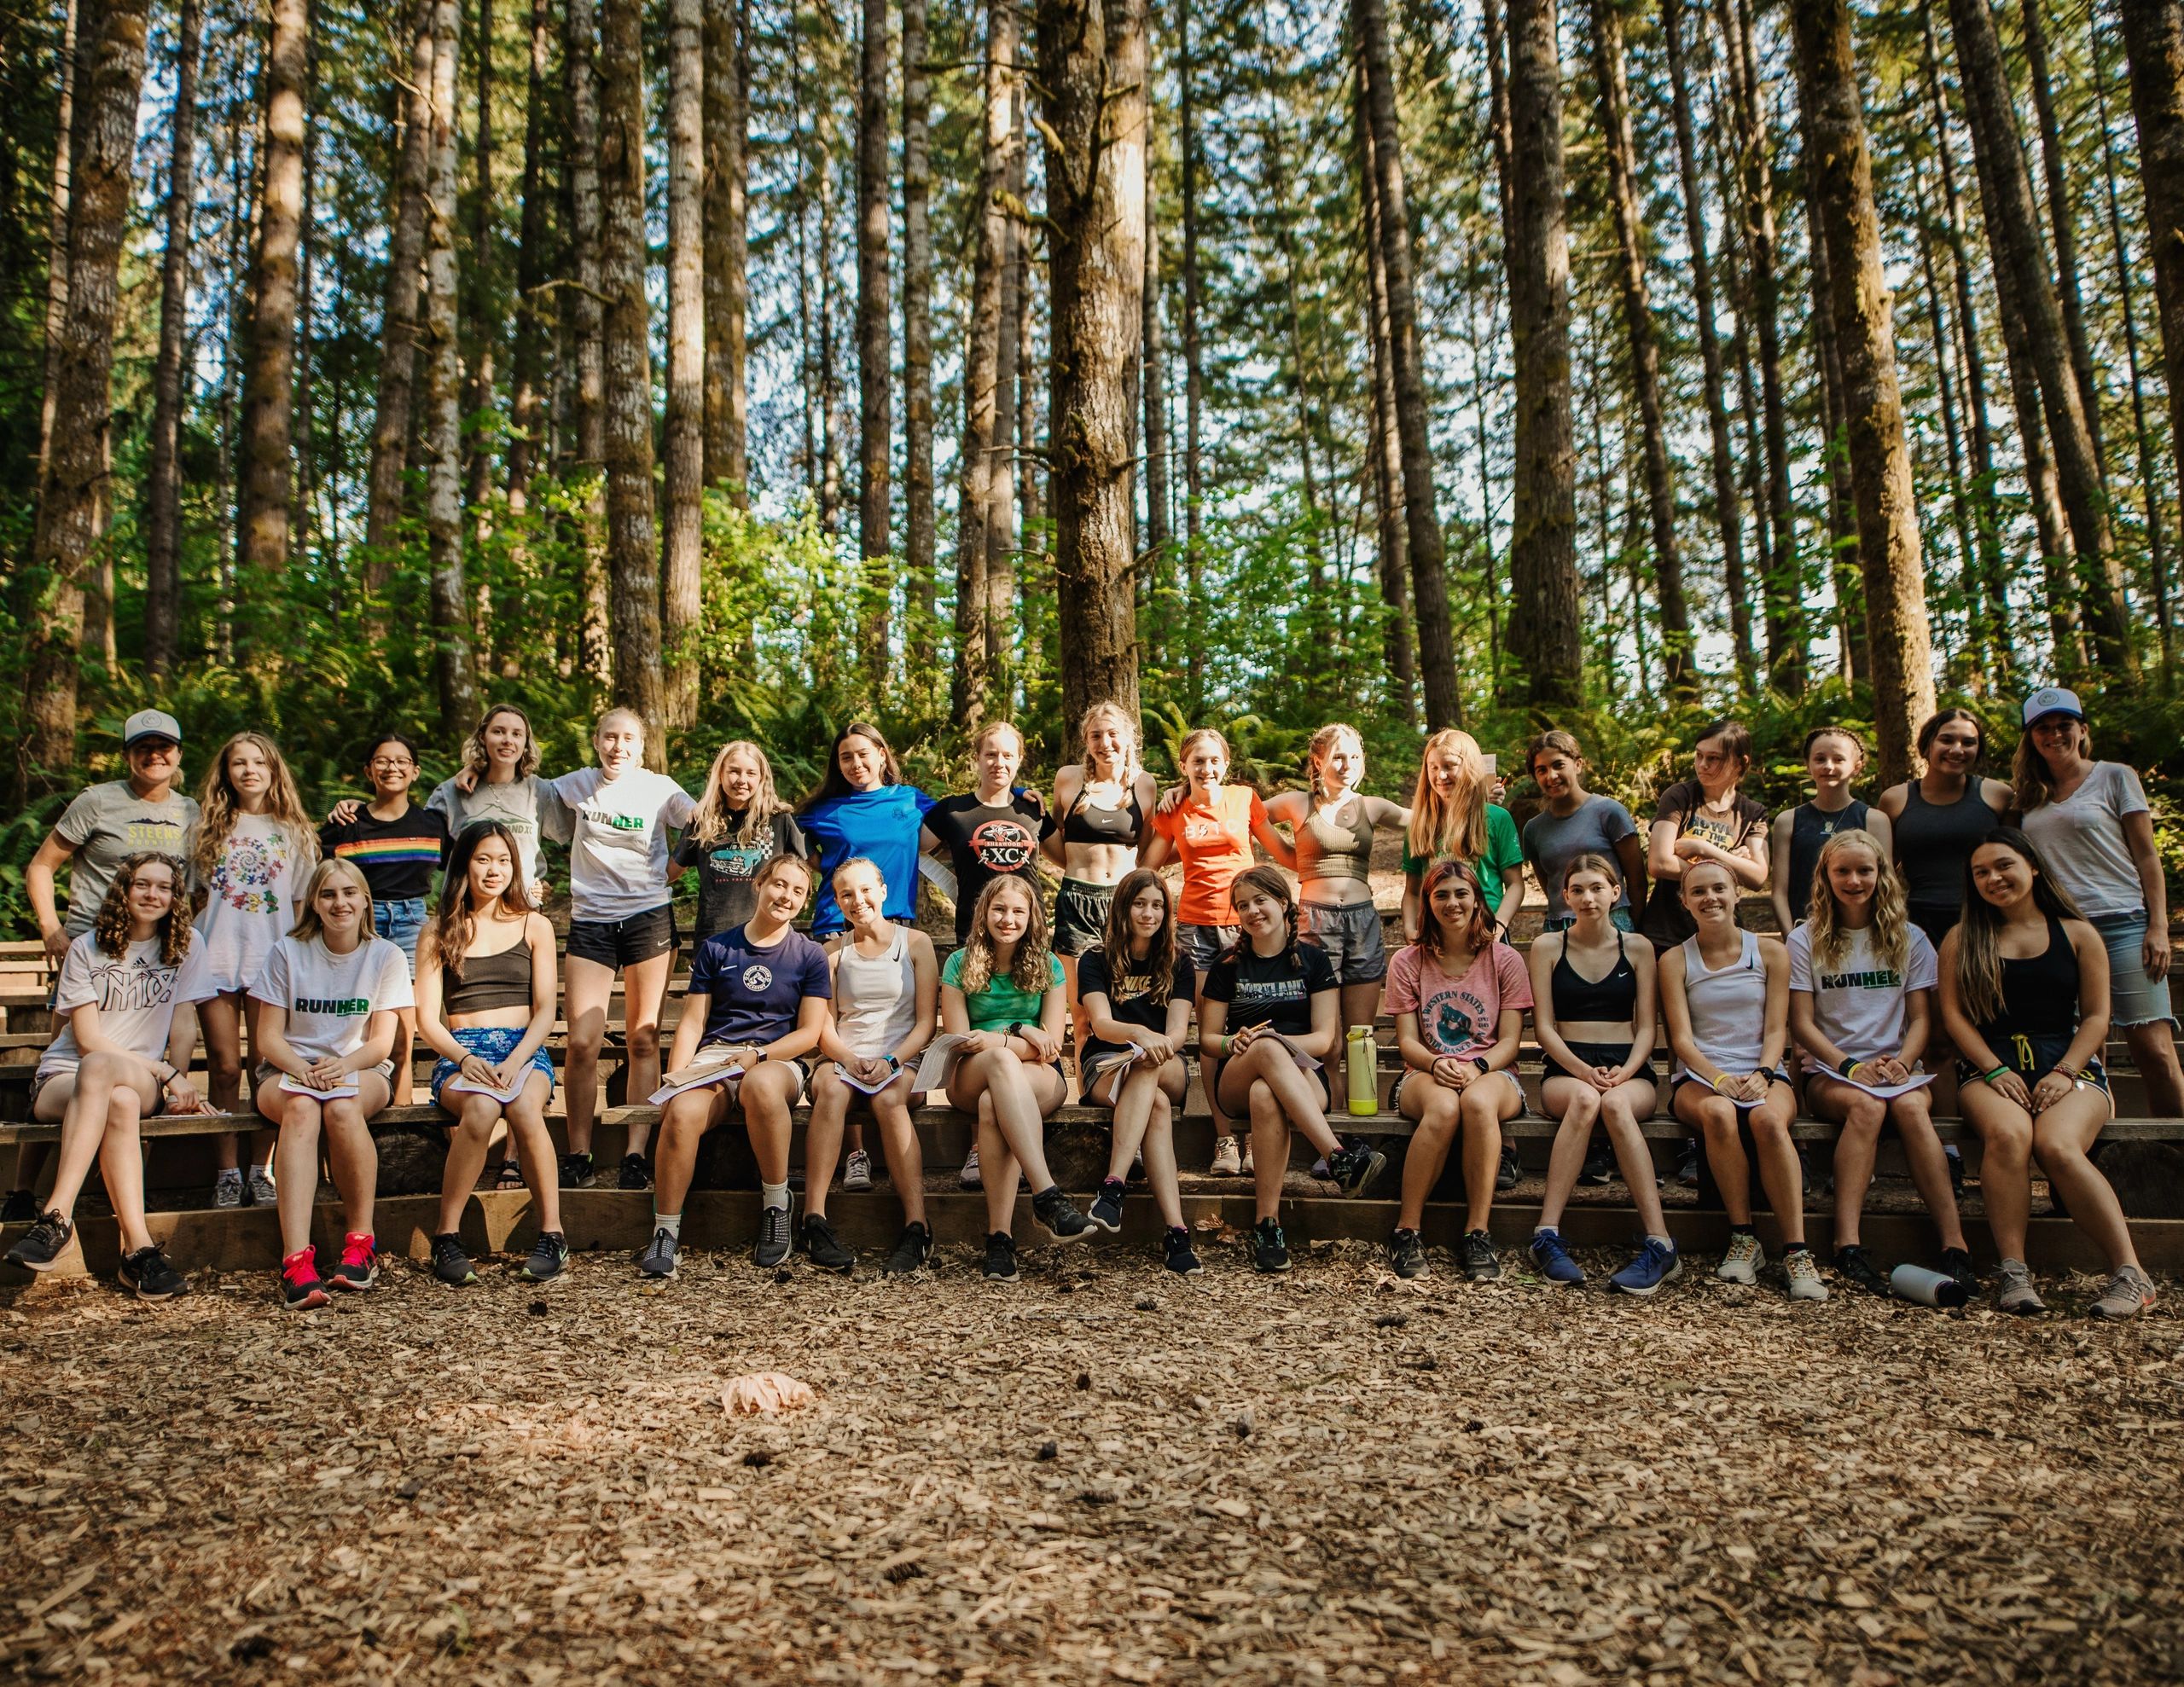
(893, 1065)
(1847, 1065)
(2066, 1072)
(1989, 1077)
(1720, 1078)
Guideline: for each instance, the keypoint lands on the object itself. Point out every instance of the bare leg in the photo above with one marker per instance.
(1579, 1104)
(1269, 1148)
(2153, 1052)
(108, 1095)
(405, 1039)
(1022, 1097)
(296, 1162)
(1435, 1107)
(1780, 1172)
(1922, 1150)
(354, 1161)
(1141, 1087)
(1000, 1167)
(2061, 1137)
(898, 1141)
(468, 1141)
(767, 1096)
(1485, 1104)
(2005, 1165)
(1855, 1149)
(526, 1123)
(589, 984)
(121, 1164)
(1161, 1160)
(644, 987)
(1715, 1118)
(220, 1019)
(823, 1136)
(685, 1119)
(1304, 1103)
(1621, 1108)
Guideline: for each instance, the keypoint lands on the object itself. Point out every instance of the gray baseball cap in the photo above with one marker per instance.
(150, 724)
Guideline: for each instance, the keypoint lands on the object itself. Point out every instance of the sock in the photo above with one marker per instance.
(231, 1174)
(774, 1195)
(1546, 1230)
(1051, 1192)
(670, 1222)
(1747, 1230)
(1115, 1183)
(1789, 1248)
(1666, 1242)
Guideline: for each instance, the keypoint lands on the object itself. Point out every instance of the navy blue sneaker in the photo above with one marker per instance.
(1553, 1259)
(1107, 1206)
(1654, 1265)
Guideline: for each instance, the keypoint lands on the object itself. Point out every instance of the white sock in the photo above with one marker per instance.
(774, 1195)
(231, 1174)
(670, 1222)
(1666, 1242)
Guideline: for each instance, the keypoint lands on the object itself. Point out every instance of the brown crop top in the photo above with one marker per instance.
(491, 981)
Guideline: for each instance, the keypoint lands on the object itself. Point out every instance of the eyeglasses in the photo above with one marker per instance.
(392, 763)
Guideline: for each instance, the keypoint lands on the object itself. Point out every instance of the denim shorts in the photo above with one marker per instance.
(1351, 934)
(1203, 943)
(493, 1044)
(2134, 999)
(399, 922)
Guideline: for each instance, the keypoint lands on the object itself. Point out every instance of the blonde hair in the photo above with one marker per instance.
(218, 803)
(991, 728)
(1113, 713)
(1323, 745)
(1890, 928)
(709, 824)
(1198, 735)
(618, 713)
(1028, 969)
(308, 927)
(1456, 825)
(2031, 784)
(479, 761)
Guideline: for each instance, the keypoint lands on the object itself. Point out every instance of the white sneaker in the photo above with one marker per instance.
(856, 1170)
(1803, 1271)
(971, 1179)
(227, 1188)
(1247, 1169)
(1742, 1262)
(1227, 1161)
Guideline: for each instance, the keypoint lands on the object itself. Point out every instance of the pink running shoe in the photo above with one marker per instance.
(300, 1289)
(359, 1265)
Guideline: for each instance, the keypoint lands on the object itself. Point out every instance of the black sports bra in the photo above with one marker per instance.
(1608, 1000)
(1084, 824)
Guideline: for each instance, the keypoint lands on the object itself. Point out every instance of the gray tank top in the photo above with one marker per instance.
(875, 999)
(1337, 851)
(1728, 1007)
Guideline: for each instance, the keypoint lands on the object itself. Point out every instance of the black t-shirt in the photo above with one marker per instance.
(987, 840)
(1270, 989)
(1683, 805)
(1130, 996)
(398, 858)
(725, 898)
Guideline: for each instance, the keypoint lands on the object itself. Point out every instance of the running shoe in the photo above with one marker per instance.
(1355, 1169)
(150, 1276)
(1549, 1257)
(1228, 1158)
(451, 1264)
(1742, 1263)
(1269, 1247)
(1599, 1168)
(1406, 1254)
(636, 1172)
(856, 1170)
(970, 1178)
(576, 1171)
(300, 1288)
(1956, 1169)
(258, 1185)
(1655, 1264)
(1058, 1215)
(1511, 1173)
(1000, 1264)
(1481, 1263)
(772, 1246)
(1106, 1209)
(2013, 1289)
(2128, 1293)
(1957, 1263)
(912, 1249)
(358, 1266)
(549, 1258)
(1853, 1265)
(1176, 1254)
(823, 1247)
(42, 1248)
(657, 1259)
(1686, 1164)
(19, 1208)
(1246, 1167)
(1801, 1272)
(227, 1188)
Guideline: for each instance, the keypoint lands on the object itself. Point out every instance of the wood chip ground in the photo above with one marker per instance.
(1095, 1475)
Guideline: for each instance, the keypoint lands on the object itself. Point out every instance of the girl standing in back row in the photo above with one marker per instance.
(1102, 804)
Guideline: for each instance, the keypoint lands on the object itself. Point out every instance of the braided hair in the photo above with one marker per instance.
(1269, 881)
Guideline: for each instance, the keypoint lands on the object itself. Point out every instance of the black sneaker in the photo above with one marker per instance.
(1481, 1263)
(659, 1261)
(1000, 1265)
(1957, 1263)
(1853, 1265)
(1270, 1248)
(1686, 1164)
(1354, 1169)
(824, 1247)
(576, 1171)
(772, 1245)
(1511, 1174)
(1175, 1253)
(19, 1208)
(148, 1274)
(41, 1249)
(1058, 1215)
(451, 1264)
(912, 1249)
(549, 1258)
(1107, 1206)
(1956, 1169)
(1599, 1168)
(636, 1173)
(1406, 1254)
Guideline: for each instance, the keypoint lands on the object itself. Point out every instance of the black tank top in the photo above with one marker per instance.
(1608, 1000)
(2039, 994)
(1810, 831)
(1934, 840)
(1084, 824)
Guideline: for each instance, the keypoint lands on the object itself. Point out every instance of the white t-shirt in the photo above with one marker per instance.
(618, 848)
(136, 994)
(330, 998)
(527, 806)
(2082, 837)
(1858, 1003)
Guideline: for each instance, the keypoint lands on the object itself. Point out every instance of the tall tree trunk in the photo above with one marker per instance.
(633, 543)
(2153, 45)
(73, 485)
(389, 447)
(527, 417)
(728, 93)
(1153, 398)
(918, 523)
(1781, 589)
(269, 377)
(1002, 550)
(484, 323)
(1193, 371)
(1880, 461)
(977, 512)
(1421, 510)
(66, 137)
(1679, 672)
(1497, 116)
(1383, 448)
(1728, 515)
(1962, 518)
(2021, 271)
(1840, 558)
(875, 352)
(2067, 291)
(586, 294)
(685, 438)
(1093, 62)
(163, 539)
(1544, 635)
(442, 423)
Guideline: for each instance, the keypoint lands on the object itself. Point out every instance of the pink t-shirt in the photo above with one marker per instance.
(1458, 1015)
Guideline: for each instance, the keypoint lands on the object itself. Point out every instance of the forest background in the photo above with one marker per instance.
(764, 364)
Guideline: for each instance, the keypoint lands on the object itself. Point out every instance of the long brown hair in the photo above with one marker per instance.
(1274, 883)
(110, 927)
(1480, 933)
(1120, 936)
(1890, 928)
(218, 803)
(1978, 932)
(2031, 784)
(1029, 970)
(479, 760)
(456, 923)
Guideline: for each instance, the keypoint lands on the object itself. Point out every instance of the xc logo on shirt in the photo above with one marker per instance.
(1003, 846)
(756, 978)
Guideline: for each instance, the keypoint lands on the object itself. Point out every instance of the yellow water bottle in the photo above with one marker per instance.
(1364, 1079)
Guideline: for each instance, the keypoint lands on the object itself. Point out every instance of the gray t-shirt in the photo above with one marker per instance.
(2082, 837)
(106, 825)
(527, 806)
(1551, 841)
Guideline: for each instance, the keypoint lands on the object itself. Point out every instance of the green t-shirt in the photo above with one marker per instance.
(1001, 1004)
(1504, 850)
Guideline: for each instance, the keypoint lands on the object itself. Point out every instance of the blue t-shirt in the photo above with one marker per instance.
(881, 825)
(754, 993)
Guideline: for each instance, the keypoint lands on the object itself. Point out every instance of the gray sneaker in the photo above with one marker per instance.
(657, 1259)
(773, 1236)
(227, 1188)
(2128, 1293)
(258, 1181)
(2013, 1289)
(1742, 1263)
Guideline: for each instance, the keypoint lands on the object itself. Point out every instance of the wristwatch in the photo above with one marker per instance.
(1016, 1027)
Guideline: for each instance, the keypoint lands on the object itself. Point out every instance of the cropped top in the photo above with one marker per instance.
(1084, 824)
(1338, 850)
(491, 981)
(1609, 999)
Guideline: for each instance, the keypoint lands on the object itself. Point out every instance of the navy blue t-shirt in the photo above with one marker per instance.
(754, 993)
